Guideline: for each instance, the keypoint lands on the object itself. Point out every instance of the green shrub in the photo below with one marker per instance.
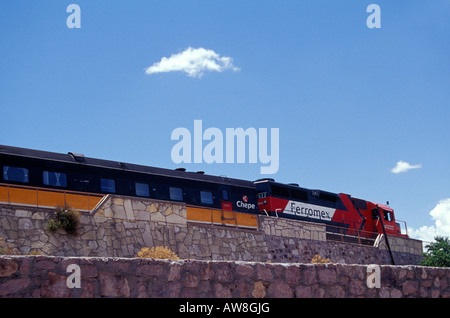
(64, 218)
(438, 253)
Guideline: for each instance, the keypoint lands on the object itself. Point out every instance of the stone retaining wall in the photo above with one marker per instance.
(400, 244)
(281, 227)
(46, 276)
(121, 226)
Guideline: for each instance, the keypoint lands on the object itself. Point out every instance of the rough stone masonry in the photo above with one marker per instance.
(217, 261)
(47, 276)
(121, 226)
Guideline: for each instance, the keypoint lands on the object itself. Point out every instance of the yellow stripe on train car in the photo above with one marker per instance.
(221, 217)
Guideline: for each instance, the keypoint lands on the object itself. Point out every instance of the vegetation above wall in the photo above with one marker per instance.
(438, 253)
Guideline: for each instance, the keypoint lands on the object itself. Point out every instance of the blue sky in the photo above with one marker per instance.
(350, 102)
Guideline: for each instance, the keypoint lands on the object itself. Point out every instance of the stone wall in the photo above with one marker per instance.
(400, 244)
(281, 227)
(48, 276)
(292, 250)
(121, 226)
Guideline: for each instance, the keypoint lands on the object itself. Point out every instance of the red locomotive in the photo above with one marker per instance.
(341, 212)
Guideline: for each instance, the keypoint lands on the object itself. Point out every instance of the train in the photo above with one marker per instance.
(49, 171)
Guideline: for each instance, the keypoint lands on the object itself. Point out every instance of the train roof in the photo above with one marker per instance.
(288, 185)
(80, 159)
(295, 186)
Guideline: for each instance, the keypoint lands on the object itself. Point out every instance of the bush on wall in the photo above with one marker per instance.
(317, 259)
(158, 252)
(64, 218)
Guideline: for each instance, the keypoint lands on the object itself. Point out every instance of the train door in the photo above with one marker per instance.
(384, 217)
(388, 221)
(225, 198)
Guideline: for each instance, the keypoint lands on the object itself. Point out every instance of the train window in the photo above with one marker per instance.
(15, 174)
(225, 195)
(54, 179)
(387, 216)
(206, 197)
(299, 194)
(359, 204)
(176, 194)
(280, 191)
(326, 196)
(142, 190)
(108, 185)
(374, 214)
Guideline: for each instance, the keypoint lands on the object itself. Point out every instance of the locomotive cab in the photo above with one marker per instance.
(383, 216)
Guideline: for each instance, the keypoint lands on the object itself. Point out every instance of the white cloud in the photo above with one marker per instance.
(194, 62)
(441, 215)
(424, 233)
(403, 166)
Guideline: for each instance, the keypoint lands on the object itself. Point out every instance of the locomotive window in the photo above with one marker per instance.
(54, 179)
(280, 191)
(108, 185)
(374, 214)
(176, 194)
(387, 216)
(142, 190)
(206, 197)
(330, 197)
(299, 194)
(225, 195)
(360, 204)
(15, 174)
